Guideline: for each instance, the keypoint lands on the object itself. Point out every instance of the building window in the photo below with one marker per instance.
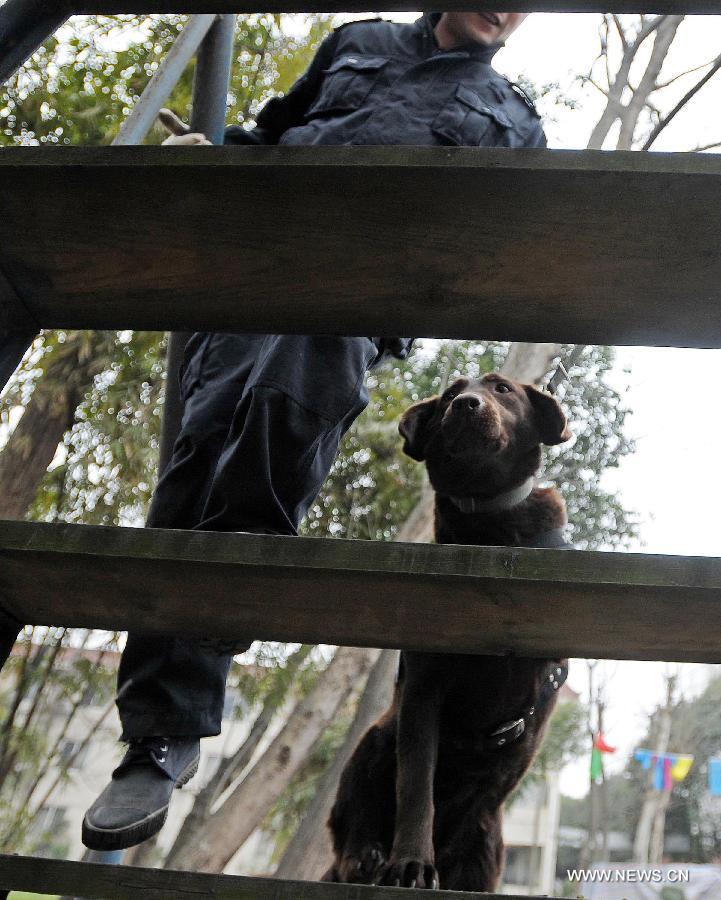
(518, 865)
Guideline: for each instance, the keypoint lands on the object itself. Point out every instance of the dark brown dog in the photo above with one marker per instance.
(420, 801)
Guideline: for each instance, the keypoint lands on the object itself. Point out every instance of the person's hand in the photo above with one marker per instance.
(180, 133)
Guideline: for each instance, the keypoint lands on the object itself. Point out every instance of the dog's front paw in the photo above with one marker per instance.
(412, 873)
(364, 867)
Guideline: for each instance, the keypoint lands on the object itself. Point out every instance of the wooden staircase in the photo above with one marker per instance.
(107, 254)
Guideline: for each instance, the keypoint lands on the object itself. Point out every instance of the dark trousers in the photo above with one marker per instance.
(262, 421)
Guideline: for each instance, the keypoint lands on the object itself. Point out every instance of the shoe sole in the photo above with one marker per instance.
(130, 835)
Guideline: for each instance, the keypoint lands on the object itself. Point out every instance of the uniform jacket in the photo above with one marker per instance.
(378, 82)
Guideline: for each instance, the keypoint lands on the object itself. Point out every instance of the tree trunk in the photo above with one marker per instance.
(50, 412)
(310, 852)
(234, 765)
(229, 827)
(652, 800)
(665, 34)
(529, 363)
(32, 445)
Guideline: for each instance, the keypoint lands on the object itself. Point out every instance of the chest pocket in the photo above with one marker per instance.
(469, 121)
(347, 83)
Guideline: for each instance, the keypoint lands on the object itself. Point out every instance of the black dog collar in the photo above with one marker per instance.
(511, 731)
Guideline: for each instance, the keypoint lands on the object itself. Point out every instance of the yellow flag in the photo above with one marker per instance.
(681, 767)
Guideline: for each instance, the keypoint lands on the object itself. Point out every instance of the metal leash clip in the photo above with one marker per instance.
(509, 731)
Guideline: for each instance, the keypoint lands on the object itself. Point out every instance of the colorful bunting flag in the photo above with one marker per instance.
(714, 777)
(667, 767)
(681, 767)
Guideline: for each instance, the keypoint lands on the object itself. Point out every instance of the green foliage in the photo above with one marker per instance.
(51, 676)
(81, 84)
(110, 453)
(597, 415)
(273, 671)
(696, 729)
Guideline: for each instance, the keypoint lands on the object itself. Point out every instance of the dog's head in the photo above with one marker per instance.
(484, 434)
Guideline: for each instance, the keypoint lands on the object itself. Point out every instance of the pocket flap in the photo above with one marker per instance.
(471, 99)
(359, 63)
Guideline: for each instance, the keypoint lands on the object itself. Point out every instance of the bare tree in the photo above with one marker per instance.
(248, 802)
(233, 766)
(634, 102)
(648, 840)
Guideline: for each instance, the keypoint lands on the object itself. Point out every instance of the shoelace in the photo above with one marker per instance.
(139, 748)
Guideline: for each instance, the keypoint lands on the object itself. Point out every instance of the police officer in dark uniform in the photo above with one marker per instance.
(264, 414)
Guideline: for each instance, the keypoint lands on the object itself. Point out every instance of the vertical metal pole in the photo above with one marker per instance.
(157, 90)
(210, 100)
(212, 75)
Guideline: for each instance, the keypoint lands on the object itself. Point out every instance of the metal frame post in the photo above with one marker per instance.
(210, 100)
(158, 89)
(212, 76)
(24, 26)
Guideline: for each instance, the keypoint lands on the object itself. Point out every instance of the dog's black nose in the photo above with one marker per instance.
(466, 402)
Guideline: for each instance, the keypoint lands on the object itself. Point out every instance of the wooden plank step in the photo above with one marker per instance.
(446, 598)
(339, 6)
(577, 246)
(94, 880)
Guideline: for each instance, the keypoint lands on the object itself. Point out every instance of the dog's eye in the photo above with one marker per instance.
(502, 388)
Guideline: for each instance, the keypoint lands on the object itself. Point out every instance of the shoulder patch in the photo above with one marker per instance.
(519, 92)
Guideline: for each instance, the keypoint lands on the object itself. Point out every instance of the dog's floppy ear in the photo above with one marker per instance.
(550, 418)
(413, 427)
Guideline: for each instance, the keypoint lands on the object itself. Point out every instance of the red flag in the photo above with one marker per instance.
(599, 742)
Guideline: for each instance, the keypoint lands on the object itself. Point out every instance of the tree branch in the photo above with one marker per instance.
(703, 147)
(666, 84)
(648, 29)
(619, 29)
(629, 119)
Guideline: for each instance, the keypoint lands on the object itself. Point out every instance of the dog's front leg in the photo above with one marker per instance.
(412, 861)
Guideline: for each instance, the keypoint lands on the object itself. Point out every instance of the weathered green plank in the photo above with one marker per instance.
(93, 880)
(577, 246)
(446, 598)
(197, 6)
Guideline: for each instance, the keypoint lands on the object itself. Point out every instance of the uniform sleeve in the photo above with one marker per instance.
(536, 137)
(281, 113)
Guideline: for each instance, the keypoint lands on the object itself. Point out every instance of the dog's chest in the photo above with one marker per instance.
(485, 692)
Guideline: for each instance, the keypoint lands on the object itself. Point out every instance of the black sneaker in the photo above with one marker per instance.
(134, 806)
